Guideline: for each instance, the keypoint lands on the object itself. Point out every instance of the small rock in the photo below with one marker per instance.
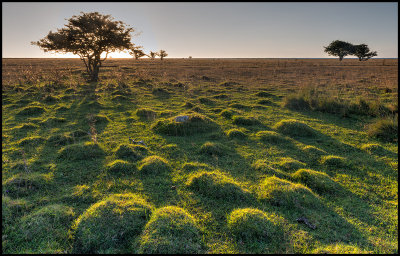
(173, 187)
(181, 118)
(305, 221)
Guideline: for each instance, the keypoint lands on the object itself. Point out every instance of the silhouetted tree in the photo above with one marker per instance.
(339, 48)
(363, 53)
(137, 52)
(162, 54)
(152, 55)
(89, 35)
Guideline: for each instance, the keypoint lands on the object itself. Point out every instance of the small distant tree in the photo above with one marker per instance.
(137, 53)
(152, 55)
(339, 48)
(89, 35)
(162, 54)
(363, 52)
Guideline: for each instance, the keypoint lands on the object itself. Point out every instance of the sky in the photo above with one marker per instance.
(215, 29)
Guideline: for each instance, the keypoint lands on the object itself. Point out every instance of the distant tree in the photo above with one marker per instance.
(162, 54)
(339, 48)
(152, 55)
(89, 35)
(136, 52)
(363, 53)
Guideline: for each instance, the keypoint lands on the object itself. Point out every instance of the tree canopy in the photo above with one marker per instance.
(89, 35)
(342, 49)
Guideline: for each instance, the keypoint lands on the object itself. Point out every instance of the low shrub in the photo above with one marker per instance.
(295, 128)
(171, 230)
(111, 225)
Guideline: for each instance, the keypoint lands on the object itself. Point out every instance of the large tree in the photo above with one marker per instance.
(152, 55)
(89, 35)
(339, 48)
(363, 53)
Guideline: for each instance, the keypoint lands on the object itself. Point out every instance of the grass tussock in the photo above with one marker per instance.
(385, 129)
(195, 123)
(171, 230)
(375, 149)
(265, 167)
(131, 152)
(253, 226)
(213, 149)
(120, 166)
(60, 140)
(246, 121)
(217, 185)
(31, 111)
(154, 165)
(31, 141)
(332, 161)
(85, 151)
(111, 225)
(227, 113)
(284, 193)
(317, 181)
(290, 164)
(236, 134)
(24, 184)
(294, 128)
(146, 113)
(271, 137)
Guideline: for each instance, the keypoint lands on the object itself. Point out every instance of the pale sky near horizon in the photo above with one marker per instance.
(215, 30)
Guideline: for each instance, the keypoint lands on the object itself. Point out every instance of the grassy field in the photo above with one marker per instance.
(200, 156)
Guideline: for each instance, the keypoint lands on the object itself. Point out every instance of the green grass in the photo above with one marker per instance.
(233, 178)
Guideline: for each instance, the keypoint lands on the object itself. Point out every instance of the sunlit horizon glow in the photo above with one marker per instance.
(215, 30)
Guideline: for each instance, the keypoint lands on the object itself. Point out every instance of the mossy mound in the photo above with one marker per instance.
(53, 121)
(271, 137)
(340, 249)
(254, 226)
(171, 230)
(120, 167)
(86, 151)
(263, 94)
(317, 181)
(50, 99)
(111, 225)
(295, 128)
(227, 113)
(217, 185)
(60, 139)
(313, 151)
(283, 193)
(247, 121)
(213, 149)
(31, 110)
(47, 227)
(188, 105)
(146, 113)
(236, 134)
(195, 166)
(12, 209)
(79, 134)
(31, 141)
(101, 119)
(154, 165)
(334, 161)
(266, 102)
(160, 92)
(206, 101)
(24, 184)
(27, 126)
(118, 98)
(131, 152)
(195, 123)
(239, 106)
(290, 164)
(375, 149)
(265, 167)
